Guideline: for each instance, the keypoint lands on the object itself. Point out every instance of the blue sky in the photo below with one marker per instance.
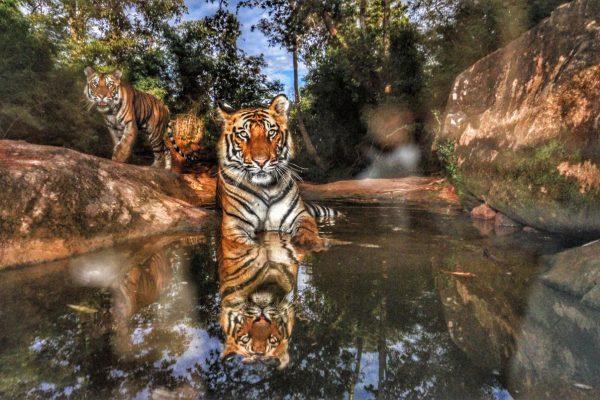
(279, 61)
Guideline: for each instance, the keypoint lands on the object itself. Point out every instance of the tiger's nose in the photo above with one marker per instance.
(261, 161)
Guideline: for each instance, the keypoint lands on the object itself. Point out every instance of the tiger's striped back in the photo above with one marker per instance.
(182, 139)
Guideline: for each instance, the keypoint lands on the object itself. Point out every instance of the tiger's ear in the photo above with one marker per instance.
(118, 74)
(225, 110)
(89, 71)
(280, 105)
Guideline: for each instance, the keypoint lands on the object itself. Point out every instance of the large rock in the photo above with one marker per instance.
(56, 203)
(524, 124)
(577, 272)
(429, 191)
(542, 342)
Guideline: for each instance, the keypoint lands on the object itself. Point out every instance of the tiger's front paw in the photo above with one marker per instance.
(308, 240)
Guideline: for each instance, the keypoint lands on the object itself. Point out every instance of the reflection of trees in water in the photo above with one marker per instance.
(133, 328)
(546, 350)
(370, 322)
(388, 320)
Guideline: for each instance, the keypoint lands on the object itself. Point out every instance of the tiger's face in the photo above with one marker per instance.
(255, 143)
(260, 330)
(103, 89)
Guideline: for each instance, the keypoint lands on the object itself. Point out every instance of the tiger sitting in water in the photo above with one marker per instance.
(256, 187)
(125, 111)
(256, 282)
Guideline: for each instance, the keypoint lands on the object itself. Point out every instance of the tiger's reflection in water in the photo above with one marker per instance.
(257, 287)
(139, 277)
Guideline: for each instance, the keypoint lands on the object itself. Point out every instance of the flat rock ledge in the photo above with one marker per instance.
(56, 203)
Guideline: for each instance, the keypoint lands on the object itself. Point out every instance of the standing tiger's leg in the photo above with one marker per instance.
(124, 148)
(115, 135)
(156, 137)
(157, 142)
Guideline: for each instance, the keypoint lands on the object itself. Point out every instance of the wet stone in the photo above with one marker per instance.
(483, 212)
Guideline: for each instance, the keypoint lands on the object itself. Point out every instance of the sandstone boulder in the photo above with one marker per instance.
(524, 124)
(55, 203)
(577, 272)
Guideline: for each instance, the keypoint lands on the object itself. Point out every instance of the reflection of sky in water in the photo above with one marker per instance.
(198, 346)
(303, 279)
(369, 366)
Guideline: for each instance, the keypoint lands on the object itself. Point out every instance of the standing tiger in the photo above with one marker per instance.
(256, 187)
(127, 110)
(256, 283)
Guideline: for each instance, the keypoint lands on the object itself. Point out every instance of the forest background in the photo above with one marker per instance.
(366, 60)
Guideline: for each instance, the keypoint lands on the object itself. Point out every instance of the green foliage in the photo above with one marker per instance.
(153, 86)
(356, 60)
(462, 32)
(540, 9)
(448, 159)
(38, 102)
(208, 66)
(349, 79)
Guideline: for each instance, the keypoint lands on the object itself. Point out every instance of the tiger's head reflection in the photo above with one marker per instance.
(257, 283)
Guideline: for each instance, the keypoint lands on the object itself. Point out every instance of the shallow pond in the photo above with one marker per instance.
(419, 304)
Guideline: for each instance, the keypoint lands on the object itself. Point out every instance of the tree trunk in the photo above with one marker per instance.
(387, 87)
(354, 381)
(312, 151)
(381, 348)
(362, 14)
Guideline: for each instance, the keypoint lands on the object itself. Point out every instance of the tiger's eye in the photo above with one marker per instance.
(273, 340)
(245, 339)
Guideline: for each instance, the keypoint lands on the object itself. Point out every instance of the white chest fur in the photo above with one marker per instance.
(275, 215)
(113, 123)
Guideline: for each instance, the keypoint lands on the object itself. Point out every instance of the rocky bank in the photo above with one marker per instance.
(522, 125)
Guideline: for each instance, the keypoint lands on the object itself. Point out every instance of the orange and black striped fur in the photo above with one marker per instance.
(127, 111)
(184, 149)
(256, 283)
(256, 186)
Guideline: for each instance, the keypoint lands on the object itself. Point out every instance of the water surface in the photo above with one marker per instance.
(419, 305)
